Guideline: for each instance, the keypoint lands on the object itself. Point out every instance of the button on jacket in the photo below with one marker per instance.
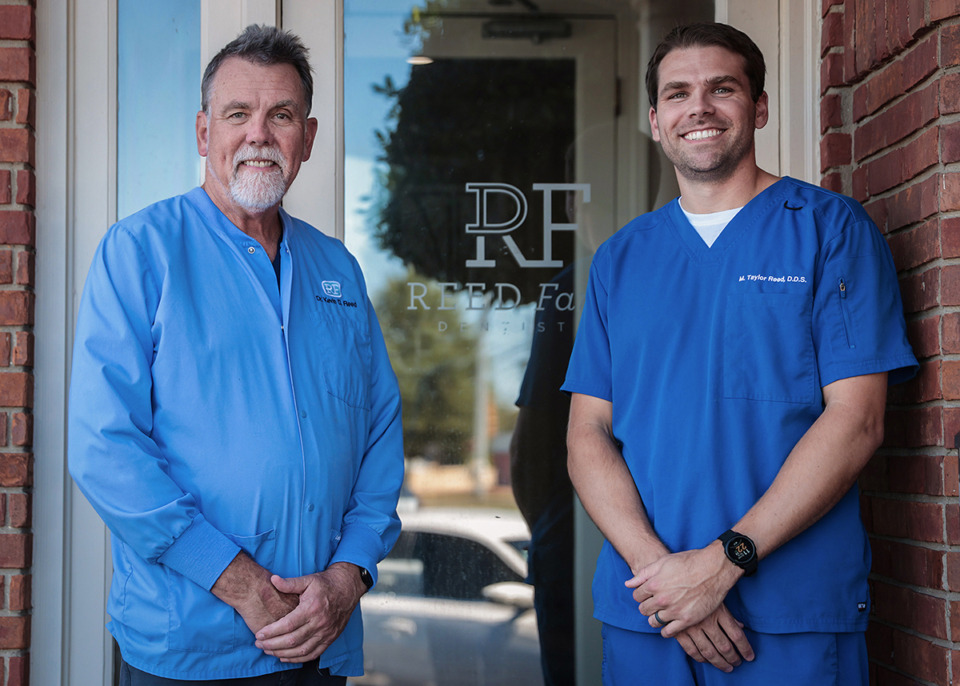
(213, 411)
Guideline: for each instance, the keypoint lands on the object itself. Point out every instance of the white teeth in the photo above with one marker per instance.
(258, 163)
(700, 135)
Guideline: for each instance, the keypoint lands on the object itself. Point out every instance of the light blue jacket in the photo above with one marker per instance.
(213, 412)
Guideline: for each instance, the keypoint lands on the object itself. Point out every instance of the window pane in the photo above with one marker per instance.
(158, 93)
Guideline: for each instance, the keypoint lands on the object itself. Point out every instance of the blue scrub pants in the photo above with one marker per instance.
(631, 658)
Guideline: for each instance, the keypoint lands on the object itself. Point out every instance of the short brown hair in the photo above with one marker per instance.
(711, 34)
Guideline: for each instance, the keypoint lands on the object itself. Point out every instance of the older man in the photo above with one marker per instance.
(233, 415)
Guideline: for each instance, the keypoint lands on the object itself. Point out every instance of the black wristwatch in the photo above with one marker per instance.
(365, 577)
(740, 550)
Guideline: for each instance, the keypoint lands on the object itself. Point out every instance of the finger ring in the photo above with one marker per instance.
(656, 616)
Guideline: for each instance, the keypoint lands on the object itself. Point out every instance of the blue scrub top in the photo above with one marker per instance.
(714, 359)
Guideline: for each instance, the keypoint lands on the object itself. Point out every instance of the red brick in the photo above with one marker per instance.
(6, 191)
(26, 188)
(949, 43)
(951, 380)
(16, 551)
(17, 227)
(22, 353)
(18, 64)
(916, 17)
(913, 474)
(16, 22)
(6, 266)
(951, 427)
(950, 192)
(17, 145)
(895, 79)
(831, 71)
(950, 236)
(924, 387)
(21, 430)
(919, 657)
(831, 32)
(21, 587)
(16, 389)
(954, 624)
(19, 670)
(951, 475)
(832, 182)
(953, 572)
(860, 191)
(916, 246)
(5, 349)
(19, 510)
(831, 112)
(16, 470)
(865, 31)
(27, 107)
(951, 333)
(924, 336)
(6, 105)
(825, 6)
(909, 563)
(15, 633)
(953, 523)
(16, 309)
(950, 94)
(913, 204)
(917, 521)
(920, 291)
(3, 429)
(834, 150)
(914, 428)
(901, 606)
(26, 268)
(897, 122)
(944, 9)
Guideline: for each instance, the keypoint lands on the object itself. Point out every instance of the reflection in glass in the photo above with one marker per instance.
(457, 205)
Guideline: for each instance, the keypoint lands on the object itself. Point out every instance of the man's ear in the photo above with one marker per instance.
(310, 135)
(762, 114)
(654, 128)
(202, 133)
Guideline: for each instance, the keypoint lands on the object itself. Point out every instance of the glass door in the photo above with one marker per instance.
(480, 167)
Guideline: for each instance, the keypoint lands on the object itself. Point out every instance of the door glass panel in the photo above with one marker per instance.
(466, 137)
(158, 95)
(489, 149)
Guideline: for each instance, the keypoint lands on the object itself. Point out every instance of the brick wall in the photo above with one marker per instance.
(17, 231)
(890, 120)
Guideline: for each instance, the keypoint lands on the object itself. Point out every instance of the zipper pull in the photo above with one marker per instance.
(843, 289)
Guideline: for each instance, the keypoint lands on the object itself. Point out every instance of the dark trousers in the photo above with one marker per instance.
(308, 675)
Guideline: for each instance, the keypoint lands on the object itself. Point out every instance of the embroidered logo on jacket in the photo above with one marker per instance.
(331, 289)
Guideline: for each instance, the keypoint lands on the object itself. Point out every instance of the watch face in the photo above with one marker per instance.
(740, 549)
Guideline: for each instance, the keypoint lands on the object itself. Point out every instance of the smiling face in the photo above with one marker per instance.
(254, 136)
(705, 118)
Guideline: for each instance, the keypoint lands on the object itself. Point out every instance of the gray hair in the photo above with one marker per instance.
(265, 45)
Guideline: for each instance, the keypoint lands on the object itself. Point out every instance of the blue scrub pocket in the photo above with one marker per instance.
(202, 623)
(768, 351)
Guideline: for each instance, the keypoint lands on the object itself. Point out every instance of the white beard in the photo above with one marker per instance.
(258, 190)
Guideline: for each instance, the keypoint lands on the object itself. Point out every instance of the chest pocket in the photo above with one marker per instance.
(343, 338)
(768, 351)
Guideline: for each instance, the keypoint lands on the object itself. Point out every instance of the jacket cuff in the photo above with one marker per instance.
(362, 546)
(200, 553)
